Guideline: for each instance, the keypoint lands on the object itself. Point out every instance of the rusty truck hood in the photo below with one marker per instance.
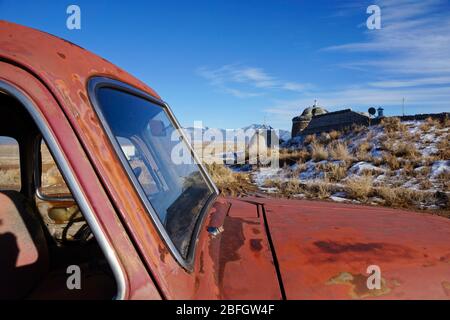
(323, 250)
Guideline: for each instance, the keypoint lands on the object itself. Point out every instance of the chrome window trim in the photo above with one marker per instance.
(77, 192)
(96, 83)
(37, 174)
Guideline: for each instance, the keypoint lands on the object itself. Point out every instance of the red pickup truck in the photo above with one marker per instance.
(132, 224)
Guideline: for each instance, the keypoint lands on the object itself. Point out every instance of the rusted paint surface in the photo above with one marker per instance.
(324, 250)
(244, 251)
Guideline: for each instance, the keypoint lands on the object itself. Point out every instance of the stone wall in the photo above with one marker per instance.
(298, 126)
(335, 121)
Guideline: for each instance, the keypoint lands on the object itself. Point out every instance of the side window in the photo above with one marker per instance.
(52, 182)
(9, 164)
(177, 191)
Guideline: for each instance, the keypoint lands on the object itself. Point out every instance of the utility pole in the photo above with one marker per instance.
(403, 106)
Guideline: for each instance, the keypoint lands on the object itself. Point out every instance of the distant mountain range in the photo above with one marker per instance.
(283, 134)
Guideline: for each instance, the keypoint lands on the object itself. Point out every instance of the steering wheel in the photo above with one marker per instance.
(83, 235)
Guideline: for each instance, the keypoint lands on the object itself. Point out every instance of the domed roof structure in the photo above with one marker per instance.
(301, 122)
(309, 112)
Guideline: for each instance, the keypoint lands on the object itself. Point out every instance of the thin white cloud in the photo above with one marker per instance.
(414, 82)
(414, 39)
(238, 80)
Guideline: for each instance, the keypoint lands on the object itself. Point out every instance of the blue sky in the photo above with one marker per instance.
(233, 63)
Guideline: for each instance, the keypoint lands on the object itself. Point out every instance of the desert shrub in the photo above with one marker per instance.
(301, 155)
(393, 125)
(425, 184)
(310, 138)
(362, 151)
(408, 169)
(288, 189)
(445, 123)
(356, 128)
(443, 147)
(387, 144)
(444, 179)
(430, 123)
(295, 172)
(339, 151)
(335, 172)
(229, 182)
(391, 161)
(318, 190)
(272, 183)
(425, 126)
(359, 187)
(335, 134)
(424, 171)
(407, 150)
(292, 187)
(400, 197)
(318, 152)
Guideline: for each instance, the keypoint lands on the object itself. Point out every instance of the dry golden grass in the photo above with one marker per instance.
(339, 151)
(430, 123)
(393, 125)
(445, 123)
(427, 125)
(335, 134)
(293, 187)
(318, 152)
(287, 189)
(443, 147)
(229, 182)
(335, 172)
(444, 180)
(359, 188)
(400, 197)
(362, 151)
(425, 184)
(320, 190)
(408, 170)
(406, 150)
(424, 171)
(301, 155)
(391, 161)
(309, 139)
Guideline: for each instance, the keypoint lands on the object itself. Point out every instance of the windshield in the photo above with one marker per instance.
(176, 190)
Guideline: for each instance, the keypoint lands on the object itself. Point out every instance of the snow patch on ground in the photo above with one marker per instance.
(362, 166)
(264, 174)
(439, 167)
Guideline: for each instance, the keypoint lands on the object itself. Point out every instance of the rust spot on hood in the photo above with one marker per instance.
(336, 247)
(61, 55)
(232, 240)
(327, 251)
(358, 285)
